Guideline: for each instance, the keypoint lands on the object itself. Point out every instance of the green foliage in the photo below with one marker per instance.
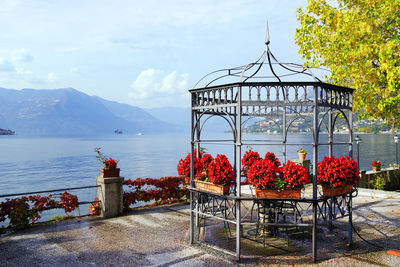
(379, 128)
(378, 183)
(102, 158)
(203, 150)
(59, 218)
(360, 42)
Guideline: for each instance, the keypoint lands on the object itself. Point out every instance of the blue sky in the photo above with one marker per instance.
(144, 53)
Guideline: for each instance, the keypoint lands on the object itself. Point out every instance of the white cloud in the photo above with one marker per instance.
(6, 66)
(28, 76)
(75, 70)
(154, 87)
(34, 78)
(22, 55)
(50, 77)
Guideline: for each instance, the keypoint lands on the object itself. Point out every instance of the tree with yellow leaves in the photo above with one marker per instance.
(359, 41)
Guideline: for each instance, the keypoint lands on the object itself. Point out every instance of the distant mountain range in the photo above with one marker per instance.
(69, 112)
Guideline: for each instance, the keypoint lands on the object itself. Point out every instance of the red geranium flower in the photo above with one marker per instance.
(220, 170)
(271, 157)
(248, 159)
(338, 172)
(294, 175)
(110, 164)
(376, 163)
(263, 173)
(184, 165)
(205, 162)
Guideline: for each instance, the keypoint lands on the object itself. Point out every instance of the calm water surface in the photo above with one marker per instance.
(33, 164)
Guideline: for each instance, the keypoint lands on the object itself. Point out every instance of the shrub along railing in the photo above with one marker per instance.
(163, 191)
(26, 210)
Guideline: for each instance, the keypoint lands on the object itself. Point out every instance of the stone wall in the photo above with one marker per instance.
(385, 179)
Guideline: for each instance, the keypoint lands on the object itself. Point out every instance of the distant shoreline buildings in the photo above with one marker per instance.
(272, 126)
(6, 132)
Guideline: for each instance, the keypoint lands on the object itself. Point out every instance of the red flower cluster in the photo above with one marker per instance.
(376, 163)
(26, 210)
(94, 207)
(271, 157)
(248, 159)
(184, 165)
(68, 202)
(217, 171)
(263, 173)
(205, 163)
(163, 190)
(266, 174)
(220, 170)
(294, 175)
(338, 172)
(110, 164)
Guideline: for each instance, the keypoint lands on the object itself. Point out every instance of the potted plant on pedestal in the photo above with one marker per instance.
(110, 165)
(376, 165)
(337, 175)
(272, 181)
(302, 154)
(218, 177)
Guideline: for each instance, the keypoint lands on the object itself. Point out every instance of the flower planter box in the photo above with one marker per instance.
(331, 192)
(110, 172)
(273, 193)
(213, 188)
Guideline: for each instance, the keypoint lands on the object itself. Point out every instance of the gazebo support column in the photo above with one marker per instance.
(315, 160)
(350, 204)
(330, 132)
(237, 159)
(284, 134)
(192, 176)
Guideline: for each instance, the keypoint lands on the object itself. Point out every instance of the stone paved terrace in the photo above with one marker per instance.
(158, 237)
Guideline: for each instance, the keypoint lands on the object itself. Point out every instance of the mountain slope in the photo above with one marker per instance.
(136, 115)
(66, 112)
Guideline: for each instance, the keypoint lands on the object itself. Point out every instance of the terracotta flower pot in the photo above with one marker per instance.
(213, 188)
(376, 168)
(109, 172)
(273, 193)
(187, 179)
(302, 156)
(331, 192)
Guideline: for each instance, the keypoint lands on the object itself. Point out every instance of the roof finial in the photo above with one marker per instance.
(267, 35)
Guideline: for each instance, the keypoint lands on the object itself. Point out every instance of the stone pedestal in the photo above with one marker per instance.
(110, 194)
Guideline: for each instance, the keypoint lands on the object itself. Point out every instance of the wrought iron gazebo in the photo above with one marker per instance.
(279, 92)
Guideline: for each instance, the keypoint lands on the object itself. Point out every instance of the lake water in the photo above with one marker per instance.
(30, 164)
(34, 164)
